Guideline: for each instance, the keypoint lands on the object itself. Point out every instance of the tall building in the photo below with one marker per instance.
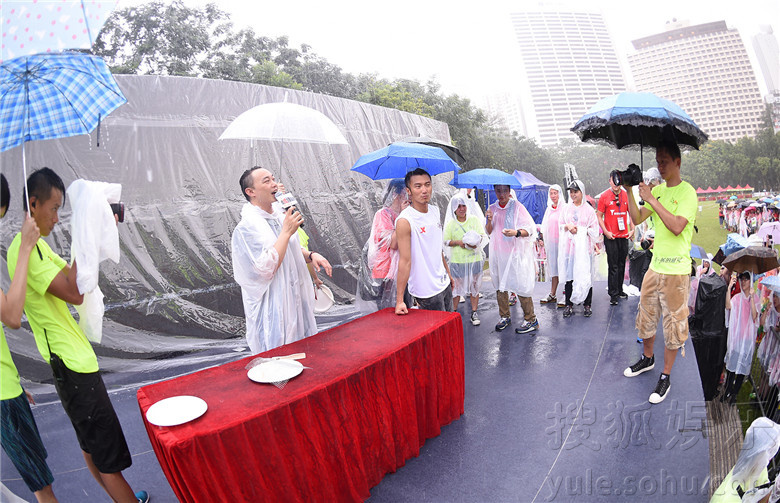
(508, 108)
(768, 54)
(570, 63)
(705, 69)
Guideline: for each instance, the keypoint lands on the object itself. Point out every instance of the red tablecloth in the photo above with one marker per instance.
(379, 386)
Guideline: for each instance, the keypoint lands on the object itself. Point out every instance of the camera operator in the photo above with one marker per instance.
(666, 286)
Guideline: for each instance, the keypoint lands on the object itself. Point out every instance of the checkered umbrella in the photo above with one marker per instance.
(46, 96)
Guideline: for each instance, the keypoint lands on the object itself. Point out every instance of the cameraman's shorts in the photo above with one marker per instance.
(664, 295)
(85, 400)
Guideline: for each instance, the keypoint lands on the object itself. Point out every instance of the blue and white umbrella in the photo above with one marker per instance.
(485, 179)
(47, 96)
(638, 119)
(397, 159)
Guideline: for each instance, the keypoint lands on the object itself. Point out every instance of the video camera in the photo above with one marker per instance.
(630, 177)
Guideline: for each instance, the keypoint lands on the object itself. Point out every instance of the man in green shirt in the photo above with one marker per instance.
(51, 285)
(665, 288)
(18, 431)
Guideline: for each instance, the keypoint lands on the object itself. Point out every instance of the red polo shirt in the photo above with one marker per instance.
(615, 210)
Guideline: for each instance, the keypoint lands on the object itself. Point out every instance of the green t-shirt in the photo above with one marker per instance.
(672, 254)
(45, 311)
(303, 238)
(9, 376)
(455, 231)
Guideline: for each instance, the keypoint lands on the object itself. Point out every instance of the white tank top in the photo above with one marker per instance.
(427, 276)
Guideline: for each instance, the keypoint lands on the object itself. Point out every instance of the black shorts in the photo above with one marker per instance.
(85, 400)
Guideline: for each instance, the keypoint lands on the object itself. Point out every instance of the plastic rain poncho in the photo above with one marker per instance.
(742, 335)
(278, 303)
(695, 281)
(465, 263)
(743, 228)
(379, 262)
(575, 251)
(550, 230)
(512, 259)
(762, 440)
(94, 238)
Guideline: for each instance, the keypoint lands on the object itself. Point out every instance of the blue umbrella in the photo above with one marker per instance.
(641, 119)
(772, 283)
(698, 252)
(54, 95)
(485, 179)
(734, 243)
(397, 159)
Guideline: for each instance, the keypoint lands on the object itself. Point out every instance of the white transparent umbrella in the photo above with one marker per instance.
(285, 122)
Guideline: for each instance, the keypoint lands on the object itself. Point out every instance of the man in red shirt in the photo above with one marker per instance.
(612, 214)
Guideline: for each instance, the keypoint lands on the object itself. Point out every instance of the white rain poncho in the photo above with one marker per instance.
(512, 259)
(743, 228)
(550, 230)
(94, 238)
(695, 281)
(742, 335)
(762, 440)
(279, 306)
(465, 263)
(575, 251)
(379, 261)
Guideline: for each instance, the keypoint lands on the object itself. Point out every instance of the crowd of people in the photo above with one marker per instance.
(412, 259)
(746, 220)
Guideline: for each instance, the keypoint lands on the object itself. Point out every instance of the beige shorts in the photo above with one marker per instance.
(664, 295)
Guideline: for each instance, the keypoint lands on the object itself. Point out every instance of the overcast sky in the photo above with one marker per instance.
(468, 46)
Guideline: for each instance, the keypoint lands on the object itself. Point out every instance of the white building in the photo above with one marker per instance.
(508, 108)
(569, 62)
(705, 69)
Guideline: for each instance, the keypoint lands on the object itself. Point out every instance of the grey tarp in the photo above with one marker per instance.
(172, 304)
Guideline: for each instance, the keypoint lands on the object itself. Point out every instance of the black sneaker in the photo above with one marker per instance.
(588, 312)
(503, 323)
(613, 301)
(568, 311)
(623, 295)
(643, 365)
(661, 389)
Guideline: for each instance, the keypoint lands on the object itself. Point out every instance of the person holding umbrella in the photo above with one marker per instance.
(20, 438)
(665, 288)
(743, 318)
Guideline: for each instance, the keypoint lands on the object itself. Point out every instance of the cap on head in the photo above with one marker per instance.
(576, 185)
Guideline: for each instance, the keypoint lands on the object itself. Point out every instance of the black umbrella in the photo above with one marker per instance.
(756, 259)
(451, 150)
(641, 119)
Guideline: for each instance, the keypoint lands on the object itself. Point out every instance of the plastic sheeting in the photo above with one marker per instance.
(171, 302)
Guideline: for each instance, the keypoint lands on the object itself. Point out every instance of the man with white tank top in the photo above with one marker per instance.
(421, 263)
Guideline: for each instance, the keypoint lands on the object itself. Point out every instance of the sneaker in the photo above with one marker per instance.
(142, 497)
(528, 327)
(568, 311)
(588, 311)
(643, 365)
(661, 389)
(503, 323)
(613, 301)
(561, 304)
(623, 295)
(550, 299)
(512, 299)
(474, 319)
(640, 340)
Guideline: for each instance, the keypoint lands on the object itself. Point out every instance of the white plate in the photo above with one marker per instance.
(324, 300)
(176, 410)
(275, 371)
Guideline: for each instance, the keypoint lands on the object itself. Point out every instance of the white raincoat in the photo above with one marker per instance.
(512, 259)
(466, 274)
(742, 335)
(575, 251)
(550, 230)
(94, 238)
(279, 306)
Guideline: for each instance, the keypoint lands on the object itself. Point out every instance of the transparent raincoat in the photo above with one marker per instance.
(512, 259)
(278, 303)
(575, 251)
(742, 335)
(94, 238)
(379, 261)
(550, 230)
(465, 263)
